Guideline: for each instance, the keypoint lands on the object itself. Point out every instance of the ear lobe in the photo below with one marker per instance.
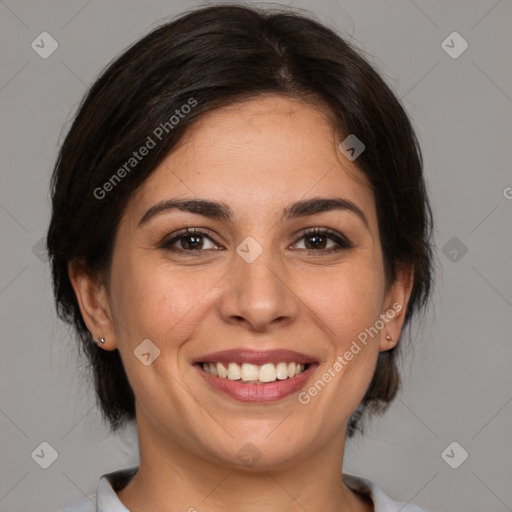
(395, 306)
(92, 300)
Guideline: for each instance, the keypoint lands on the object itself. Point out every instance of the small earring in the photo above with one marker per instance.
(100, 340)
(389, 338)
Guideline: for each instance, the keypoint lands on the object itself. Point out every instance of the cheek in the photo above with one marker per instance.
(157, 302)
(162, 303)
(346, 300)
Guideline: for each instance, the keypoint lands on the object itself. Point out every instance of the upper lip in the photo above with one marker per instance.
(257, 357)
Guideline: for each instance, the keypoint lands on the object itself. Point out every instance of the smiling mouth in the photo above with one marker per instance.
(248, 373)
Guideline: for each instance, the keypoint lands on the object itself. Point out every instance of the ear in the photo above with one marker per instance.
(395, 306)
(92, 299)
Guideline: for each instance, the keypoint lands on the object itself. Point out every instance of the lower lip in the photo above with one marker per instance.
(269, 392)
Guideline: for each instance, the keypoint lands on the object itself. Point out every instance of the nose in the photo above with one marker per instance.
(258, 295)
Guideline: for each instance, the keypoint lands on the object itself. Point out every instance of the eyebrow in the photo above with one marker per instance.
(221, 211)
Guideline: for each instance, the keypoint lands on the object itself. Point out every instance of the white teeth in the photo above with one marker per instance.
(282, 371)
(267, 373)
(221, 371)
(233, 371)
(249, 372)
(253, 373)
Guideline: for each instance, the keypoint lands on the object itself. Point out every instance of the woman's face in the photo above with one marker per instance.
(252, 283)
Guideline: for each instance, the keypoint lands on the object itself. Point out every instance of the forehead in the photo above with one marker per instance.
(266, 151)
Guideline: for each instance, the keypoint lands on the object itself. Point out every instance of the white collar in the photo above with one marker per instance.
(108, 501)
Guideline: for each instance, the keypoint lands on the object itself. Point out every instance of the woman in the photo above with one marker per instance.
(240, 234)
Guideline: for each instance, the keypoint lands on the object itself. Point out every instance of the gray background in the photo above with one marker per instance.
(457, 377)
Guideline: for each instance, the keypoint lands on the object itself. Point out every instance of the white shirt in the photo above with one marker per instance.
(106, 499)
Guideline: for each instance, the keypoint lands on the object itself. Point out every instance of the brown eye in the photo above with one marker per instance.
(189, 240)
(324, 240)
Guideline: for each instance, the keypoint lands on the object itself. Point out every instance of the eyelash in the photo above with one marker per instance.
(343, 242)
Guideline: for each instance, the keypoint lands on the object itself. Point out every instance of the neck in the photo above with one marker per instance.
(173, 478)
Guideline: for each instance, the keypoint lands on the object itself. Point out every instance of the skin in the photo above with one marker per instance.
(258, 157)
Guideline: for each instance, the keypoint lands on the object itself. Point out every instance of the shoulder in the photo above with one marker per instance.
(106, 499)
(381, 501)
(84, 505)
